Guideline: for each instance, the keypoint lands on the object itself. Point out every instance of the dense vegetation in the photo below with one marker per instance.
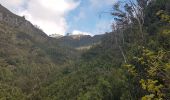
(27, 60)
(131, 63)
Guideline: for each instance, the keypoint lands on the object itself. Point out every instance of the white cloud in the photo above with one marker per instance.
(13, 5)
(77, 32)
(49, 15)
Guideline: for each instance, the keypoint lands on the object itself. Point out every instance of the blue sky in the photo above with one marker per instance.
(65, 16)
(90, 18)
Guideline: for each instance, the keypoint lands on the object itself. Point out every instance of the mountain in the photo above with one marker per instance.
(27, 56)
(78, 41)
(23, 33)
(130, 63)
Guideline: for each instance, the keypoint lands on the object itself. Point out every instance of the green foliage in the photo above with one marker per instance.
(27, 60)
(147, 69)
(152, 87)
(123, 66)
(11, 93)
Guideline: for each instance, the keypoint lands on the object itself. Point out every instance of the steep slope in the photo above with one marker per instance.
(27, 56)
(23, 34)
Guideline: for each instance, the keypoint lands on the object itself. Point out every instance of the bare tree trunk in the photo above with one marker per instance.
(140, 27)
(123, 37)
(139, 18)
(124, 57)
(120, 48)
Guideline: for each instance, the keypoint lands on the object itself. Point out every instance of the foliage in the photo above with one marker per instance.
(131, 63)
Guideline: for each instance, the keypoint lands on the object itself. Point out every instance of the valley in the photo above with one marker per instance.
(130, 63)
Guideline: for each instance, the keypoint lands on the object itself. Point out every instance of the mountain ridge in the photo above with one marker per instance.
(78, 41)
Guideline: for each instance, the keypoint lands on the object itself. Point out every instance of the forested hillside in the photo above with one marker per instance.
(79, 41)
(130, 63)
(27, 57)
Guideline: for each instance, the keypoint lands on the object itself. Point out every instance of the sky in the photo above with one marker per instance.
(88, 17)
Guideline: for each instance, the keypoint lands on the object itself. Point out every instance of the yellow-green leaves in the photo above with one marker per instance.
(146, 68)
(166, 32)
(148, 97)
(163, 15)
(154, 88)
(131, 69)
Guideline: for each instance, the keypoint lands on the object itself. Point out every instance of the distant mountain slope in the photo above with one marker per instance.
(23, 34)
(78, 41)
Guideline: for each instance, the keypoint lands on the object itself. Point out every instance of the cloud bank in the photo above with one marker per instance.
(77, 32)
